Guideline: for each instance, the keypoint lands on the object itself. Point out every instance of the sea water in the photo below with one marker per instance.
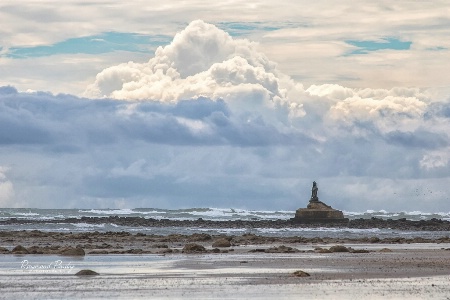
(214, 214)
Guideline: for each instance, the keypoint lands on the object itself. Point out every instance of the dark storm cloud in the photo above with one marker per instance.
(417, 139)
(68, 122)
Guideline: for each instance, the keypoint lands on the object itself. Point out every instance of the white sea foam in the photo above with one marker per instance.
(86, 225)
(125, 211)
(221, 230)
(28, 214)
(318, 229)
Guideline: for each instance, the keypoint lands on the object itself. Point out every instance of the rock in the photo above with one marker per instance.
(165, 251)
(385, 250)
(20, 250)
(193, 248)
(339, 248)
(281, 249)
(359, 251)
(318, 212)
(3, 250)
(221, 243)
(86, 273)
(301, 274)
(135, 251)
(257, 250)
(99, 252)
(374, 239)
(70, 251)
(199, 237)
(35, 250)
(323, 250)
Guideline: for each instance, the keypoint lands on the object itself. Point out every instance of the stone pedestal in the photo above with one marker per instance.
(318, 212)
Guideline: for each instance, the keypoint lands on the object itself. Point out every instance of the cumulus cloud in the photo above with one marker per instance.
(202, 60)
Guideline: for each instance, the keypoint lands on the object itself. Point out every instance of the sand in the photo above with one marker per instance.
(407, 271)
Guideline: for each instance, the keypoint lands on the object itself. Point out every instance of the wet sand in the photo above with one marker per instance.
(251, 268)
(402, 274)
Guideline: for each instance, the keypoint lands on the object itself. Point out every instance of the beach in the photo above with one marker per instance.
(137, 266)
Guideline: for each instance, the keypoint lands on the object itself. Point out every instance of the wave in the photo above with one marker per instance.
(209, 213)
(86, 225)
(125, 211)
(412, 215)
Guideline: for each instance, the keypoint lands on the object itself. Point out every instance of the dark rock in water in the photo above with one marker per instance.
(374, 239)
(281, 249)
(339, 248)
(193, 248)
(72, 252)
(20, 250)
(257, 250)
(385, 250)
(221, 243)
(165, 251)
(318, 212)
(322, 250)
(35, 250)
(86, 273)
(359, 251)
(134, 251)
(199, 237)
(3, 250)
(301, 274)
(99, 252)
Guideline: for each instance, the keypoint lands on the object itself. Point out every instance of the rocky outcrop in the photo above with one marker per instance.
(318, 212)
(339, 248)
(20, 250)
(193, 248)
(86, 273)
(221, 243)
(301, 274)
(361, 223)
(281, 249)
(70, 251)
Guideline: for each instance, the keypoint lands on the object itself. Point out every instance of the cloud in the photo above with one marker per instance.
(209, 120)
(6, 189)
(309, 43)
(202, 60)
(201, 152)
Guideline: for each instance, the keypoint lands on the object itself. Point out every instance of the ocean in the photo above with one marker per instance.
(213, 214)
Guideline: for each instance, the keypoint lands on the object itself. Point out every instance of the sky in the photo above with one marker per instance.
(232, 104)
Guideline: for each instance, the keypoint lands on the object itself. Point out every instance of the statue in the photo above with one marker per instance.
(318, 212)
(314, 191)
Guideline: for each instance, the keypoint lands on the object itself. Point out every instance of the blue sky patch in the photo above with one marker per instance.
(365, 47)
(97, 44)
(236, 29)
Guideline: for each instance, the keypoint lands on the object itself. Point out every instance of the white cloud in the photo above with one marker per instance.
(306, 39)
(201, 61)
(436, 159)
